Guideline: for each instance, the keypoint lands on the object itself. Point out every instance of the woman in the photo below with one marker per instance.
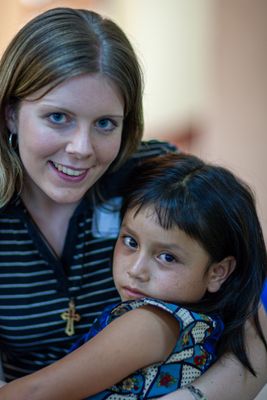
(71, 112)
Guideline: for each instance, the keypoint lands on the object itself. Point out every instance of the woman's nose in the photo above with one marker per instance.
(80, 144)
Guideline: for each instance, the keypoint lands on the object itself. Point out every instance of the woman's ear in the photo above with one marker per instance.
(219, 272)
(11, 118)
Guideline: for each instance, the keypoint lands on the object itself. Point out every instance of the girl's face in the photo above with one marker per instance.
(69, 137)
(150, 261)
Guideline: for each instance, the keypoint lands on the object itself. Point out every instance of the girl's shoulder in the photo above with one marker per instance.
(186, 318)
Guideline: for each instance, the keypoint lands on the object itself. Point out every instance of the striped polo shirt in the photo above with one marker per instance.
(36, 286)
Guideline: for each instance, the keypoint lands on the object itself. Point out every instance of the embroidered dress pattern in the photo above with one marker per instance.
(193, 353)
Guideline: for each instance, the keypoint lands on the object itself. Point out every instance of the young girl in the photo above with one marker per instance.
(190, 255)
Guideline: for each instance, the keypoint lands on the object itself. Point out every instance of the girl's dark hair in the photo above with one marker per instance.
(214, 207)
(57, 45)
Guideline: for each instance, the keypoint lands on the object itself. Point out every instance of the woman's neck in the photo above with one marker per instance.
(51, 218)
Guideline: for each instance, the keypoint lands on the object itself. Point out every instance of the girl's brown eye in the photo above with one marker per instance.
(129, 242)
(166, 257)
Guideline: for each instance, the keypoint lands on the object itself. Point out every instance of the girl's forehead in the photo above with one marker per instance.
(144, 225)
(148, 216)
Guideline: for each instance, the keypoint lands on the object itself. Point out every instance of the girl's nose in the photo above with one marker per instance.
(139, 269)
(80, 144)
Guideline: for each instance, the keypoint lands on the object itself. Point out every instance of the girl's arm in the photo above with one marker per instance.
(136, 339)
(227, 379)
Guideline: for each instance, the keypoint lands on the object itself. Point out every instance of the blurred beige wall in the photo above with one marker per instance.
(236, 113)
(205, 67)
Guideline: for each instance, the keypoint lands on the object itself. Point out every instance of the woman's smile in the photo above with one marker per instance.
(76, 174)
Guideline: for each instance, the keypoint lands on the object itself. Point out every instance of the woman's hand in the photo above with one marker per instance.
(227, 379)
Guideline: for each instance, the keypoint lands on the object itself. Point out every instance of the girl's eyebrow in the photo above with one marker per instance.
(125, 226)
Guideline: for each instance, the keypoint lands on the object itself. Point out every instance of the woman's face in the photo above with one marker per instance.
(69, 137)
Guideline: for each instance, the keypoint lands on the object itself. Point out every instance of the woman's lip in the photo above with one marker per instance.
(69, 169)
(69, 174)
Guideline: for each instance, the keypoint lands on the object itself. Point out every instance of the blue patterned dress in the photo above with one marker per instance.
(193, 353)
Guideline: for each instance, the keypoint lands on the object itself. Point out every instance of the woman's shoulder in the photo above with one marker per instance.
(147, 149)
(113, 183)
(153, 148)
(13, 208)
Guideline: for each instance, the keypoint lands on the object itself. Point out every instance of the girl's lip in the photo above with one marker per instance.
(133, 293)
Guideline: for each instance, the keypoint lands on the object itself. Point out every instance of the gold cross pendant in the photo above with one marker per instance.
(70, 316)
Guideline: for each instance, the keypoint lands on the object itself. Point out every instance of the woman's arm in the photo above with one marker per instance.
(227, 379)
(136, 339)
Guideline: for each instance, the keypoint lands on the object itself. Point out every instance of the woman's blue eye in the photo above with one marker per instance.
(57, 118)
(129, 242)
(106, 124)
(166, 257)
